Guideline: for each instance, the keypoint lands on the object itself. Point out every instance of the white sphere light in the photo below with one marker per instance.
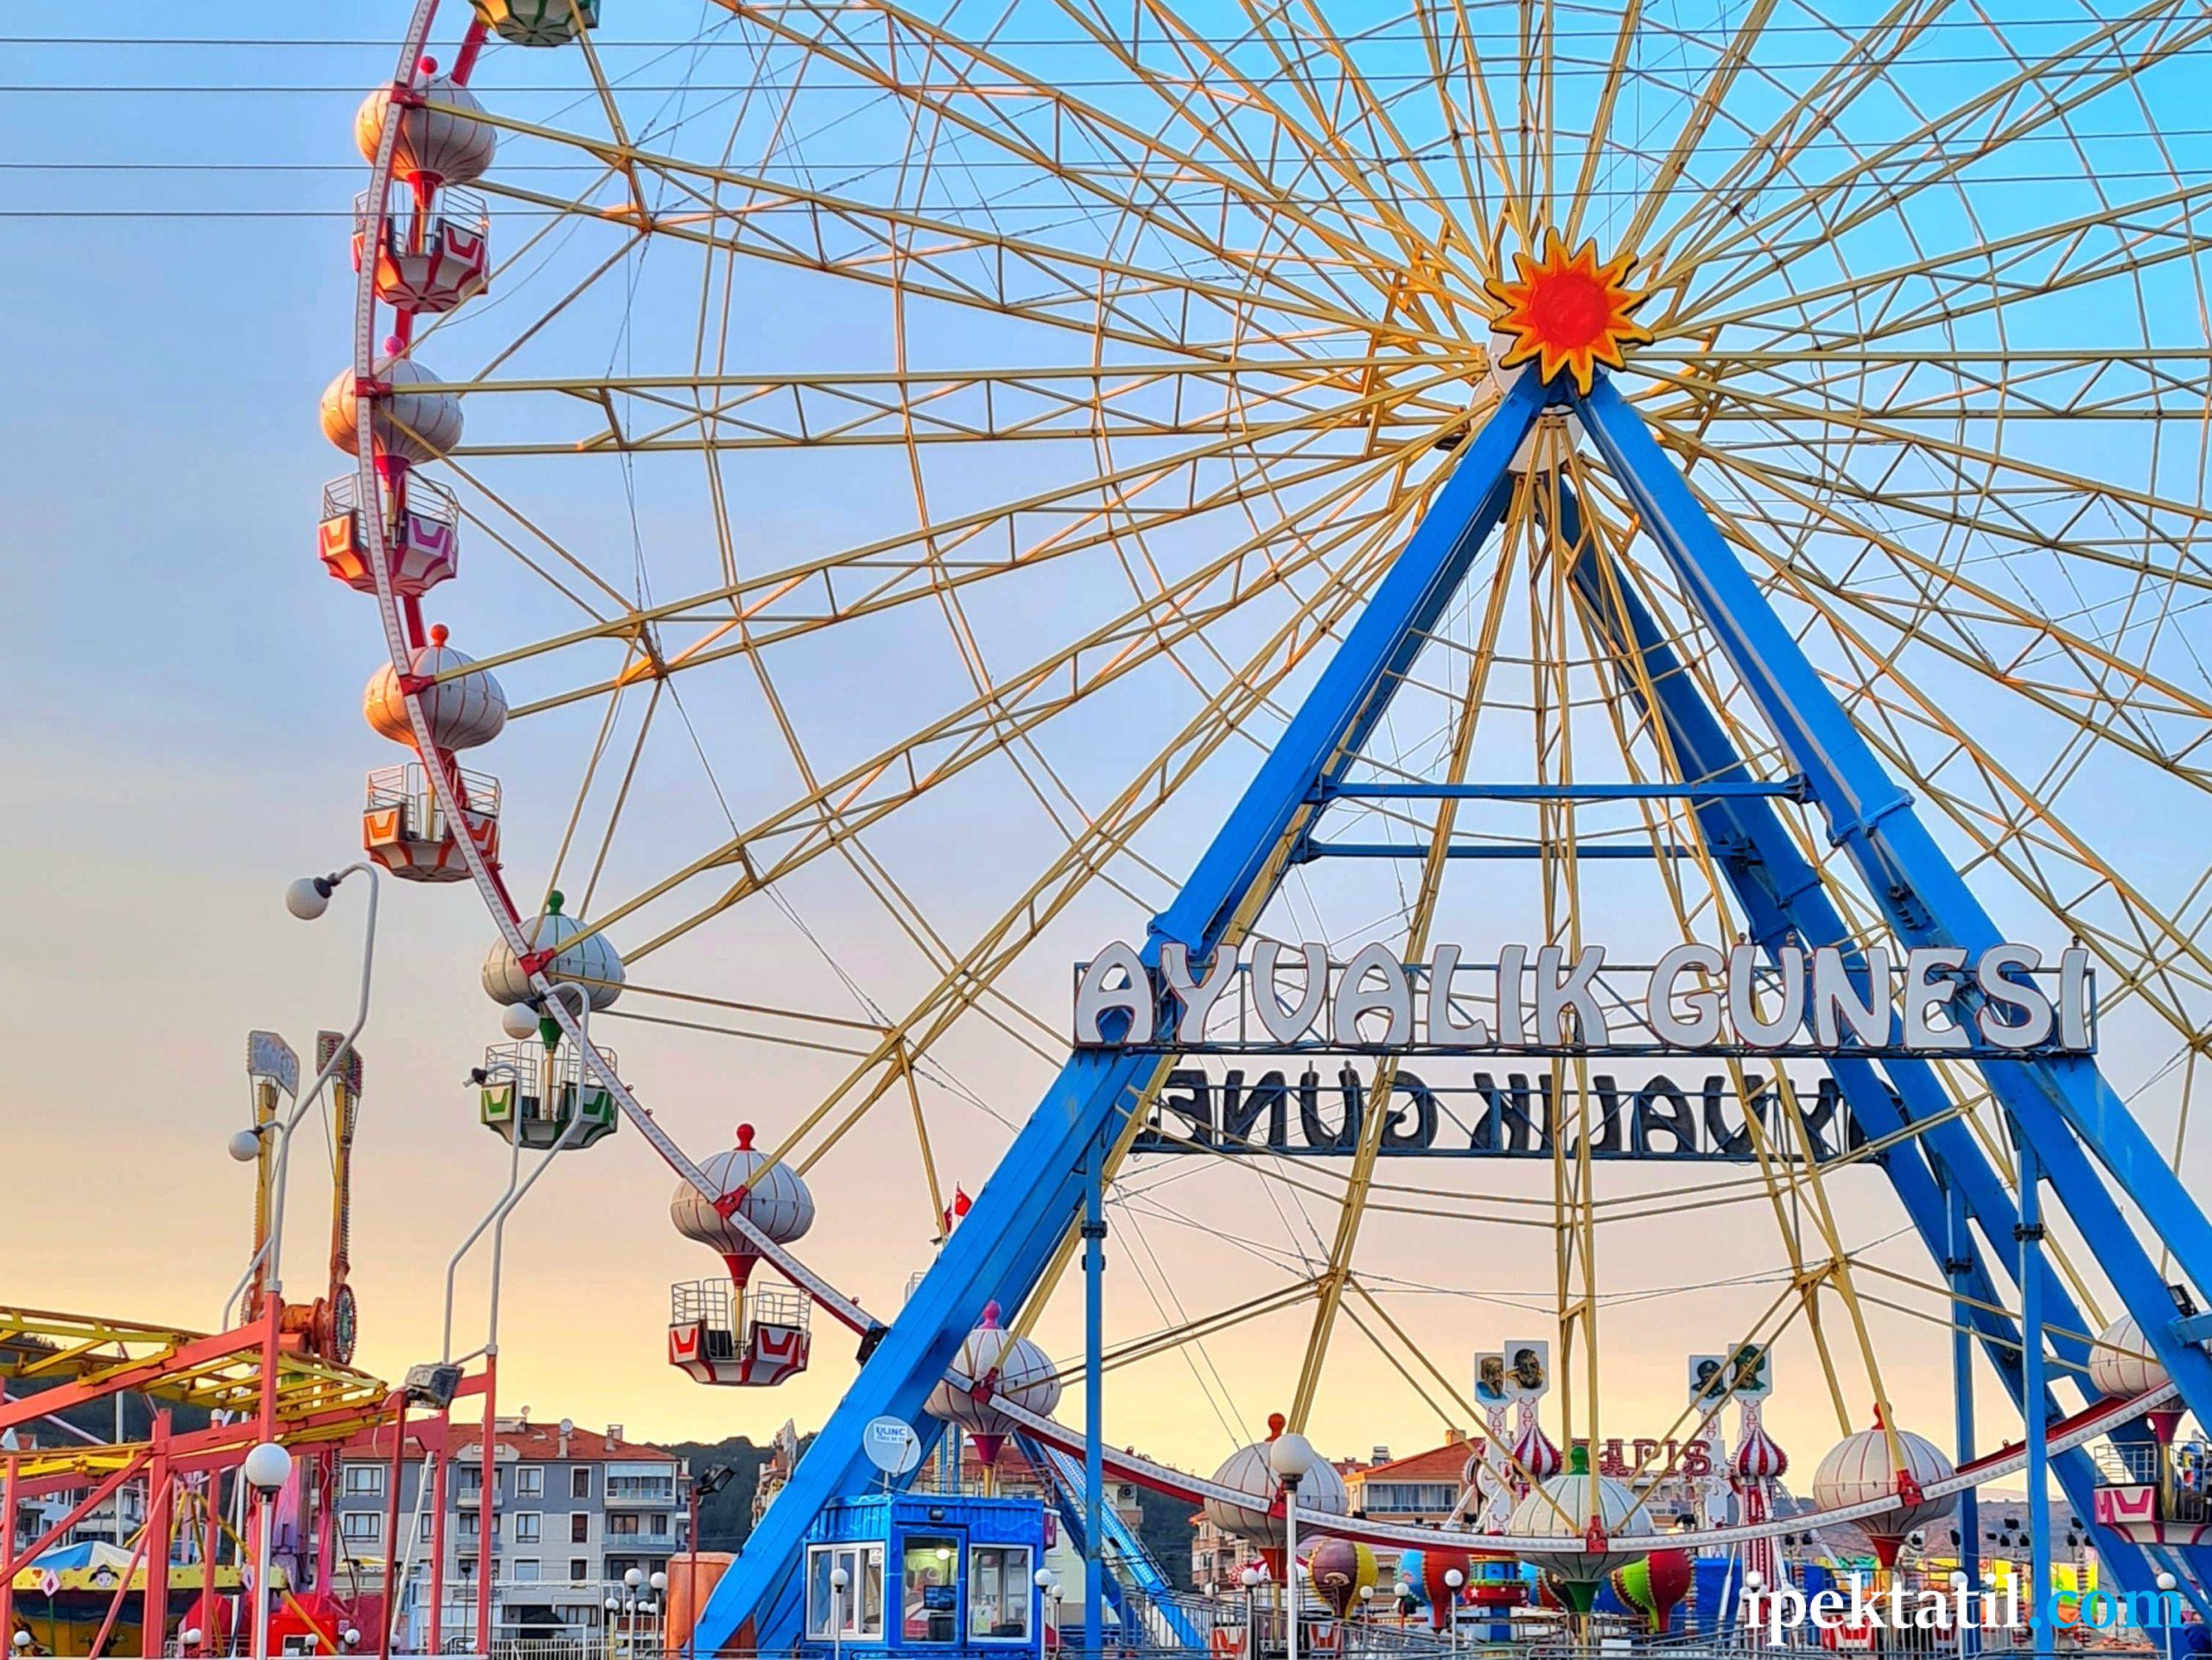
(632, 1577)
(452, 145)
(22, 1639)
(462, 712)
(591, 964)
(190, 1637)
(405, 421)
(308, 897)
(268, 1466)
(518, 1021)
(245, 1145)
(1044, 1577)
(351, 1636)
(659, 1580)
(1291, 1456)
(1249, 1578)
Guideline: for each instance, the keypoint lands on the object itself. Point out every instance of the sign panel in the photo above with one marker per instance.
(1745, 1374)
(1446, 1112)
(1695, 1000)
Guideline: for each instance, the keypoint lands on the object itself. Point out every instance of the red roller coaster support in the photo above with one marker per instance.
(154, 1610)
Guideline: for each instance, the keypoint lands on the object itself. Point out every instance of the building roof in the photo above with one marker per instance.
(1445, 1463)
(524, 1442)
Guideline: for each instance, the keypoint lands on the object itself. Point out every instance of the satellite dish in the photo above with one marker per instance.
(892, 1445)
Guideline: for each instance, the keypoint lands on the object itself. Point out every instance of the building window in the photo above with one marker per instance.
(365, 1481)
(579, 1569)
(423, 1531)
(929, 1576)
(580, 1482)
(660, 1529)
(642, 1489)
(360, 1527)
(998, 1592)
(472, 1524)
(527, 1526)
(524, 1571)
(622, 1525)
(580, 1529)
(530, 1482)
(857, 1610)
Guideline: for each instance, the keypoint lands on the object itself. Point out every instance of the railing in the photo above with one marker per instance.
(463, 209)
(2182, 1472)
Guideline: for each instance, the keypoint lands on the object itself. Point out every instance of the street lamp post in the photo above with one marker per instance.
(839, 1579)
(1290, 1455)
(1249, 1578)
(266, 1469)
(705, 1485)
(2167, 1586)
(1454, 1579)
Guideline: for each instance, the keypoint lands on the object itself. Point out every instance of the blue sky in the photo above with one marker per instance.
(185, 740)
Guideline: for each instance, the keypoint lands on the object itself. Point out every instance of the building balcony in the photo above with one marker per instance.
(658, 1495)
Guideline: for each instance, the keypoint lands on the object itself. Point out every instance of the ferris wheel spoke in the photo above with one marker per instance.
(1471, 119)
(1787, 1192)
(1867, 428)
(1944, 146)
(1226, 715)
(2016, 821)
(958, 262)
(895, 572)
(980, 100)
(1421, 253)
(1419, 917)
(1980, 278)
(1864, 64)
(2141, 699)
(1021, 701)
(1291, 195)
(1699, 122)
(1250, 399)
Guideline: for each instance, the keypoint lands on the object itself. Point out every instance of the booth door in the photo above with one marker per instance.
(932, 1570)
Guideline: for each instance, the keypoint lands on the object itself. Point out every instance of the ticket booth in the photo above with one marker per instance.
(927, 1577)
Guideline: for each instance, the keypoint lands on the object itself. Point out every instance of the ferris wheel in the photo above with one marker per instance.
(909, 498)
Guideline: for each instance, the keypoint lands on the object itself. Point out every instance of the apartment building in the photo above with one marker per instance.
(574, 1511)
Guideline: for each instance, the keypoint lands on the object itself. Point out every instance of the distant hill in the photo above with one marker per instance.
(725, 1517)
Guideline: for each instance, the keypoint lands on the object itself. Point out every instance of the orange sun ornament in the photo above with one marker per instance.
(1567, 311)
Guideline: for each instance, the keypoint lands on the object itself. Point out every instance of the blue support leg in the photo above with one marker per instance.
(1782, 898)
(1017, 1220)
(2064, 1105)
(1094, 1338)
(1958, 1265)
(2038, 1433)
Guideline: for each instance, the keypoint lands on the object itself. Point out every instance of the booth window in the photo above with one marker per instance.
(998, 1592)
(930, 1573)
(859, 1610)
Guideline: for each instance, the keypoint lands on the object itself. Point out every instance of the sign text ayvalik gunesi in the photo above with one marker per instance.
(1696, 1000)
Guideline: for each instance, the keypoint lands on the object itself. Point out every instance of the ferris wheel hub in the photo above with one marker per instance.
(1567, 311)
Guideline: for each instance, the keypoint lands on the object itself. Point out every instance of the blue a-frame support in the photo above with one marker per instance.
(1002, 1246)
(1783, 902)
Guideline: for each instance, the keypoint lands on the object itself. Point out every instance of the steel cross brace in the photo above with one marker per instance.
(1782, 901)
(2065, 1105)
(1002, 1246)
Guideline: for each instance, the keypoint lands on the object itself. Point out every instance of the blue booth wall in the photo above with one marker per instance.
(934, 1577)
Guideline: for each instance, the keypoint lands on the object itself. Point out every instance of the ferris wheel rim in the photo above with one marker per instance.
(500, 905)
